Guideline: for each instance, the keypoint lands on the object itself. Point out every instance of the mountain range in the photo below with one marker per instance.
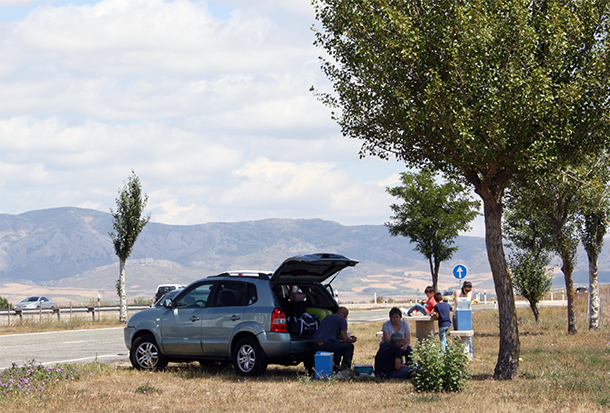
(67, 253)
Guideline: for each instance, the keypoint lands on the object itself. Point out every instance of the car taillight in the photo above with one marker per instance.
(278, 321)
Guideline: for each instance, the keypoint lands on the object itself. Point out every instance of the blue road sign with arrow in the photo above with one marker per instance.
(460, 271)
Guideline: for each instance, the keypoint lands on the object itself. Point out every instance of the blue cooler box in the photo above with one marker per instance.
(463, 320)
(323, 364)
(463, 315)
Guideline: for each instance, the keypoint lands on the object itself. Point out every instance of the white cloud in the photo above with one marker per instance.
(208, 101)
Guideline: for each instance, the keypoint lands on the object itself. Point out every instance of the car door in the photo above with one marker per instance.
(45, 303)
(181, 326)
(221, 318)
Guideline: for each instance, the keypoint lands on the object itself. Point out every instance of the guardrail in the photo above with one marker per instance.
(95, 312)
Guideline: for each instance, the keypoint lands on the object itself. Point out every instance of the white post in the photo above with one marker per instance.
(375, 298)
(485, 295)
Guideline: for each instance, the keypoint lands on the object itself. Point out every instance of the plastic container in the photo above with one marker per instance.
(363, 369)
(323, 364)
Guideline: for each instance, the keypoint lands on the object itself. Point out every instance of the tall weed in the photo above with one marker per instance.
(437, 370)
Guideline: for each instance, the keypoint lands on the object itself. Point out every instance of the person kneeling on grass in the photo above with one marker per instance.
(442, 313)
(388, 360)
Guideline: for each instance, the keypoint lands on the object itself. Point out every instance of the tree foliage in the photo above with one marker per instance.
(529, 258)
(431, 215)
(532, 277)
(127, 221)
(485, 91)
(556, 200)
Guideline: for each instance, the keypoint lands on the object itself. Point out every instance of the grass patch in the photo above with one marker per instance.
(52, 324)
(558, 372)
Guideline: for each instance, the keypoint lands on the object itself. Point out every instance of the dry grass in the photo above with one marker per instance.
(558, 372)
(51, 324)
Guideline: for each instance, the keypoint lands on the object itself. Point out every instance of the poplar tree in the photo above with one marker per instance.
(127, 221)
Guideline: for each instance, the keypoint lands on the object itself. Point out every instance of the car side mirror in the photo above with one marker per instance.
(168, 303)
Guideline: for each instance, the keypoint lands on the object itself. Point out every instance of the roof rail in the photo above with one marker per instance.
(265, 275)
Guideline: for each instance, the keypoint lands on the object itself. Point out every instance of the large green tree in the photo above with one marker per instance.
(127, 221)
(482, 90)
(431, 215)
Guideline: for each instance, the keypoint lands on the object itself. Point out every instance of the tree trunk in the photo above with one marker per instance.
(434, 267)
(593, 291)
(534, 308)
(122, 294)
(567, 268)
(508, 356)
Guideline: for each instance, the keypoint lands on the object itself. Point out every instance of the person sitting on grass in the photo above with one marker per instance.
(442, 313)
(388, 360)
(397, 325)
(430, 303)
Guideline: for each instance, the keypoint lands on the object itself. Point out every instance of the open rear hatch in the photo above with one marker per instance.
(310, 268)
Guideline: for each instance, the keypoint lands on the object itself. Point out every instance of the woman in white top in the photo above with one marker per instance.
(397, 325)
(465, 291)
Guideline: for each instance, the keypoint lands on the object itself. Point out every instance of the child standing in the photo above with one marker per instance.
(442, 313)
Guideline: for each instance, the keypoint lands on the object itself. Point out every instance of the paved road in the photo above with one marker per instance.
(105, 345)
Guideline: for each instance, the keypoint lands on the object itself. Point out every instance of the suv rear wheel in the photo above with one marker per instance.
(248, 358)
(145, 354)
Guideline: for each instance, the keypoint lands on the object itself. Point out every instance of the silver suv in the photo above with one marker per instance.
(237, 316)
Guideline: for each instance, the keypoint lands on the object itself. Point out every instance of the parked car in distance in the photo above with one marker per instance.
(164, 288)
(239, 317)
(34, 303)
(448, 296)
(582, 290)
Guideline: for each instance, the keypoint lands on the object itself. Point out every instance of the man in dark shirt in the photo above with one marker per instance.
(332, 336)
(388, 360)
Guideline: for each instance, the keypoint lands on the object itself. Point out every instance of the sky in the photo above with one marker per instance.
(207, 101)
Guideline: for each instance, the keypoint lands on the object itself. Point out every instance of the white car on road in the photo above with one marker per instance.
(34, 303)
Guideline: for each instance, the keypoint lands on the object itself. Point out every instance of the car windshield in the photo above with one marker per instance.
(29, 300)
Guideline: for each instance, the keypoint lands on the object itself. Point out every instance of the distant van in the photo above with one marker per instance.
(164, 288)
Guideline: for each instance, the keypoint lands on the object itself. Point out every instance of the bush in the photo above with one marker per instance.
(142, 301)
(437, 371)
(4, 304)
(32, 378)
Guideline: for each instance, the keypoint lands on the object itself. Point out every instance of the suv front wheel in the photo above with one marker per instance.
(248, 358)
(145, 354)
